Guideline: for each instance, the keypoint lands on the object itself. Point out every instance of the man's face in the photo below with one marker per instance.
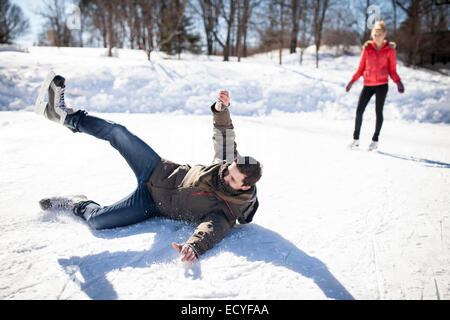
(234, 178)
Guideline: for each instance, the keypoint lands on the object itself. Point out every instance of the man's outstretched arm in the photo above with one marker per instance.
(208, 233)
(225, 147)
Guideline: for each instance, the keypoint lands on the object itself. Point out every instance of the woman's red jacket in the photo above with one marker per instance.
(376, 65)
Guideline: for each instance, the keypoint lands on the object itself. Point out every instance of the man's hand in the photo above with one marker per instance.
(225, 97)
(186, 251)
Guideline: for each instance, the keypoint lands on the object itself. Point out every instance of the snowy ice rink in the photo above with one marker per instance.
(332, 223)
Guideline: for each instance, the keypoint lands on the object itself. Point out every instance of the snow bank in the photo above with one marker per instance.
(12, 48)
(258, 85)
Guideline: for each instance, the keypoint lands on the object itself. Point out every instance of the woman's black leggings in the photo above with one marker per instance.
(380, 96)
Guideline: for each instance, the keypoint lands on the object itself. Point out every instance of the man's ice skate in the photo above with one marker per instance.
(354, 144)
(66, 203)
(55, 108)
(373, 146)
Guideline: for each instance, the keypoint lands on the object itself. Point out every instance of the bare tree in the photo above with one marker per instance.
(12, 22)
(366, 33)
(229, 17)
(96, 19)
(249, 6)
(108, 7)
(112, 20)
(305, 34)
(245, 9)
(338, 30)
(209, 11)
(83, 6)
(169, 16)
(320, 8)
(242, 7)
(55, 24)
(418, 33)
(185, 37)
(147, 8)
(126, 19)
(282, 20)
(413, 10)
(274, 34)
(394, 9)
(138, 25)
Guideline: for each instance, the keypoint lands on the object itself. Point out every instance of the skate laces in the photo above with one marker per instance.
(62, 103)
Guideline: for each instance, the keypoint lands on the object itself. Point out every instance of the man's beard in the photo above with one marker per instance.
(222, 184)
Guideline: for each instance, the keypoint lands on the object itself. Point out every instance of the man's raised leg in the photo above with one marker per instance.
(142, 159)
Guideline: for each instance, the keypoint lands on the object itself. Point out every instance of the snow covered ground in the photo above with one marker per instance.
(332, 223)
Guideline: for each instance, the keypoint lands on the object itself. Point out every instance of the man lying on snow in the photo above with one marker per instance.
(216, 195)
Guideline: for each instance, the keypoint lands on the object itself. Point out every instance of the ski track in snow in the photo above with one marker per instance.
(332, 224)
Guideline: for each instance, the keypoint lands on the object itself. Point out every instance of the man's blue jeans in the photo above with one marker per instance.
(142, 159)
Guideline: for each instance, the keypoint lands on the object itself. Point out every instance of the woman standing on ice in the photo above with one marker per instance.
(378, 60)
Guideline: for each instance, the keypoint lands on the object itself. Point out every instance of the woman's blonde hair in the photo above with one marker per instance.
(379, 25)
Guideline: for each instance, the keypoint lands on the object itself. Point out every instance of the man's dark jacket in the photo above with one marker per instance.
(172, 188)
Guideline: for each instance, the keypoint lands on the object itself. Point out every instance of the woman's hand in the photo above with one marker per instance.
(348, 86)
(400, 87)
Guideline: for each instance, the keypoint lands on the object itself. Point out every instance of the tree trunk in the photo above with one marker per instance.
(240, 28)
(319, 17)
(247, 12)
(294, 32)
(110, 34)
(209, 18)
(394, 7)
(149, 42)
(281, 35)
(366, 34)
(244, 44)
(109, 26)
(226, 50)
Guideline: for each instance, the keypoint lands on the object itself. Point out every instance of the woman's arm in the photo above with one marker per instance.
(392, 65)
(361, 67)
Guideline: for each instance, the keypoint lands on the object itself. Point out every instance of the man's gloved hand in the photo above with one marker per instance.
(348, 86)
(400, 87)
(186, 251)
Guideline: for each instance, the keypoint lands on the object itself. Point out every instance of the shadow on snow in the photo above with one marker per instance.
(428, 163)
(253, 242)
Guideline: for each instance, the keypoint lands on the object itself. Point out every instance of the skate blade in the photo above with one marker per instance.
(40, 105)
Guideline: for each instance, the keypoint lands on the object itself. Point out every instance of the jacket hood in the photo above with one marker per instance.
(371, 43)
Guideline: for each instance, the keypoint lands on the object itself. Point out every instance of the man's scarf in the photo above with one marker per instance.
(211, 180)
